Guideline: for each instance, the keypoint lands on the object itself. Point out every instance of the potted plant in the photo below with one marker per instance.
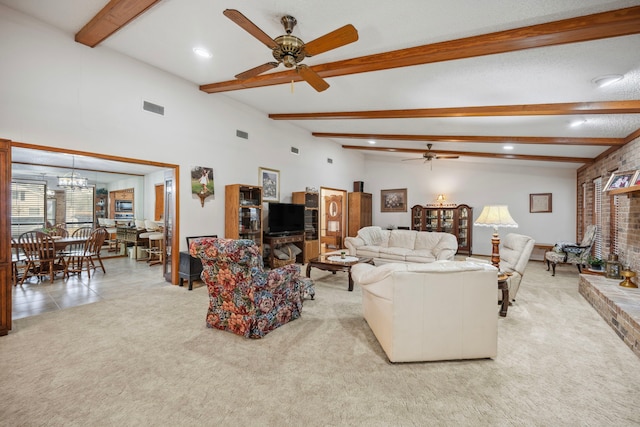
(595, 264)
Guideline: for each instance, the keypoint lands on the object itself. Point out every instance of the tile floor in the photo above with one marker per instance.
(123, 277)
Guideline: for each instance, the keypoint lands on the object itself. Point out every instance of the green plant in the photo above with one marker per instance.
(595, 262)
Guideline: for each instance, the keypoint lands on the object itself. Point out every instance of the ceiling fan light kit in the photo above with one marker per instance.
(289, 50)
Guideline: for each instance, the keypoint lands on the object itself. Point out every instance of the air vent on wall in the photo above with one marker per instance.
(242, 134)
(153, 108)
(329, 160)
(294, 150)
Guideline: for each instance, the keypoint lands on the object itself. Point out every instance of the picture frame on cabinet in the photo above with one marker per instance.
(620, 180)
(540, 203)
(269, 180)
(393, 200)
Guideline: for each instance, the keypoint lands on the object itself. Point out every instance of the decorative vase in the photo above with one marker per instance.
(627, 283)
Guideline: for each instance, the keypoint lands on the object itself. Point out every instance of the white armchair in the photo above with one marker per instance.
(444, 310)
(515, 252)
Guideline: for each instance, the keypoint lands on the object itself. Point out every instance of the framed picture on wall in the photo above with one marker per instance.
(393, 200)
(269, 180)
(619, 180)
(540, 202)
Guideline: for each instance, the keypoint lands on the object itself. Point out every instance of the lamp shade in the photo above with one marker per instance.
(495, 216)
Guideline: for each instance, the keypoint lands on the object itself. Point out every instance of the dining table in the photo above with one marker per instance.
(60, 243)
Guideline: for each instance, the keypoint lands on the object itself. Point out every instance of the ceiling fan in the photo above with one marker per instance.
(290, 50)
(430, 155)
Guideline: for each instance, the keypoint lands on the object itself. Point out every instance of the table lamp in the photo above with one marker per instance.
(495, 216)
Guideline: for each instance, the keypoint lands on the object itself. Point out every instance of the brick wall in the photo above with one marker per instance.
(626, 158)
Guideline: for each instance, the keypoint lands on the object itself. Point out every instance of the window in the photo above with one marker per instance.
(79, 208)
(597, 216)
(28, 207)
(615, 224)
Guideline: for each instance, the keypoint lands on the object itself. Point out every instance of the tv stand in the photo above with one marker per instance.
(275, 241)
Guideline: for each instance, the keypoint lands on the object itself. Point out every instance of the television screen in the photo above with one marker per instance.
(286, 218)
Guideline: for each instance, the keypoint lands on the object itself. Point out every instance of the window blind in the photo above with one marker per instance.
(28, 206)
(597, 216)
(79, 211)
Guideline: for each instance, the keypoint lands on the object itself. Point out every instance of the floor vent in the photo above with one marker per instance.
(329, 160)
(242, 134)
(153, 108)
(295, 151)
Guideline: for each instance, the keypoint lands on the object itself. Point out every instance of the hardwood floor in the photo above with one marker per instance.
(124, 276)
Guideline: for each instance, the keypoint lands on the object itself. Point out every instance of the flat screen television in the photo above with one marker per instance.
(285, 218)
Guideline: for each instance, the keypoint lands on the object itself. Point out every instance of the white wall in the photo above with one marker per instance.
(478, 184)
(55, 92)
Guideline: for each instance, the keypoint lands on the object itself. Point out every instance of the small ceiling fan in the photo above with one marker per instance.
(290, 50)
(430, 155)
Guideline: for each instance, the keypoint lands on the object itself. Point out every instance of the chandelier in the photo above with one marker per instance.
(72, 180)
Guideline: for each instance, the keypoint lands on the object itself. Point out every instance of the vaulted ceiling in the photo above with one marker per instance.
(468, 77)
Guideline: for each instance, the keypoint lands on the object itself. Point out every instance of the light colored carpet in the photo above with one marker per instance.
(149, 360)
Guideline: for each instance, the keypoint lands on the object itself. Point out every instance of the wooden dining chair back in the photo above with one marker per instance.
(58, 231)
(18, 261)
(41, 257)
(85, 260)
(82, 232)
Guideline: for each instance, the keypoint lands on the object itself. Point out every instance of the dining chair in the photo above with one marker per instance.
(17, 261)
(41, 257)
(58, 231)
(85, 258)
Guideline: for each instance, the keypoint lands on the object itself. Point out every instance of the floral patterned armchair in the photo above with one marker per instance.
(243, 298)
(572, 253)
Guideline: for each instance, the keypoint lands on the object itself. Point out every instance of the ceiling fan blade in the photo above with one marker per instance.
(445, 156)
(311, 77)
(256, 70)
(413, 158)
(340, 37)
(250, 27)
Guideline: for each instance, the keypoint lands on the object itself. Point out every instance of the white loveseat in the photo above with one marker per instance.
(445, 310)
(402, 245)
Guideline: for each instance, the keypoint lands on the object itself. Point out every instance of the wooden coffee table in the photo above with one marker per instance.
(323, 263)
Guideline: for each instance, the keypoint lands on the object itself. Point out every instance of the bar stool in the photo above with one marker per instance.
(156, 248)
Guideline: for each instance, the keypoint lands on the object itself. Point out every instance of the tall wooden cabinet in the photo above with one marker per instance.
(311, 247)
(243, 212)
(360, 212)
(456, 220)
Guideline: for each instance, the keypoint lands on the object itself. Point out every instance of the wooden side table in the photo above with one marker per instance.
(503, 285)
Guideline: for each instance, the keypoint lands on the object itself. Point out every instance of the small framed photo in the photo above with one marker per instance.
(202, 180)
(620, 180)
(636, 178)
(393, 200)
(540, 202)
(269, 180)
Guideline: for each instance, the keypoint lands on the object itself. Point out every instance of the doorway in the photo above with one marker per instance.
(333, 219)
(54, 157)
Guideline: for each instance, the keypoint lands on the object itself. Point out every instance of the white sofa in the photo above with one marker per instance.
(402, 245)
(445, 310)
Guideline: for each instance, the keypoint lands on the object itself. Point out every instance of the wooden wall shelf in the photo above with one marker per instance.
(628, 190)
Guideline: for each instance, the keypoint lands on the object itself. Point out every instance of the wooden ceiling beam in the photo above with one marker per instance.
(561, 109)
(115, 15)
(540, 140)
(475, 154)
(603, 25)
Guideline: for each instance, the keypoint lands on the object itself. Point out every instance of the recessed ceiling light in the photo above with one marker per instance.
(507, 147)
(200, 51)
(578, 122)
(372, 142)
(607, 79)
